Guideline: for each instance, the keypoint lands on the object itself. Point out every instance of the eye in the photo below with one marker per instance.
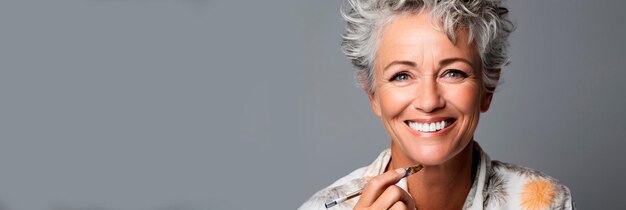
(454, 75)
(400, 76)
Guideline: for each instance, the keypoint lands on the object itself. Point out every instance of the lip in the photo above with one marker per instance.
(429, 120)
(430, 134)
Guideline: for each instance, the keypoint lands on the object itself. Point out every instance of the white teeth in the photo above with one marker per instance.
(428, 127)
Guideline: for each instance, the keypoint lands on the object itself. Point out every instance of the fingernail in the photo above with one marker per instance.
(401, 171)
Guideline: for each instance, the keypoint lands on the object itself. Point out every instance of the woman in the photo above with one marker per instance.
(430, 68)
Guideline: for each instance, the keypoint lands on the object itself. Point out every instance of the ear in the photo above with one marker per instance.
(371, 95)
(487, 95)
(374, 103)
(486, 101)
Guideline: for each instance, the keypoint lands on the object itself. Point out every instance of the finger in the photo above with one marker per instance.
(398, 206)
(392, 195)
(378, 185)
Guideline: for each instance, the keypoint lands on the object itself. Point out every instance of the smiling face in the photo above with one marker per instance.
(427, 90)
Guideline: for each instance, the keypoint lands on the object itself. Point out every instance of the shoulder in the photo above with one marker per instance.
(348, 184)
(342, 186)
(524, 188)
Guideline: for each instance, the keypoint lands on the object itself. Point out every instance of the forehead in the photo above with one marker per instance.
(415, 38)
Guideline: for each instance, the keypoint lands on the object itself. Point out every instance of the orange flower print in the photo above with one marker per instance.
(537, 195)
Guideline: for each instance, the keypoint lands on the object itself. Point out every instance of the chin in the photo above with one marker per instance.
(433, 154)
(430, 156)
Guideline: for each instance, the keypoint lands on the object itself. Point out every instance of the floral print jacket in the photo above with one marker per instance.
(497, 185)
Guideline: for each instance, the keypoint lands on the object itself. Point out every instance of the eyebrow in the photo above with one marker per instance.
(455, 59)
(406, 63)
(441, 63)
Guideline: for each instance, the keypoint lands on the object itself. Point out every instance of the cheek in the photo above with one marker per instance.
(465, 98)
(394, 100)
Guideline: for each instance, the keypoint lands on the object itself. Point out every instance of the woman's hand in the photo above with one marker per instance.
(381, 192)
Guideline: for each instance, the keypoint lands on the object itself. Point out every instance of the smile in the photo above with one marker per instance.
(429, 127)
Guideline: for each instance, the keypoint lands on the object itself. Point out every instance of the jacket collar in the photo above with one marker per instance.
(484, 164)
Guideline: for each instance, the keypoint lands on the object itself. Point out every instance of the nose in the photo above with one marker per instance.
(428, 96)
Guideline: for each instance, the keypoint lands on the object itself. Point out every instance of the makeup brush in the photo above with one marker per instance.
(408, 172)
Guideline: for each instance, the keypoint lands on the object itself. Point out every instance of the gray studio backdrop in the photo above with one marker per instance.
(215, 104)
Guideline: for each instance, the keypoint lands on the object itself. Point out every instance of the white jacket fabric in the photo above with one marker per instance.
(497, 185)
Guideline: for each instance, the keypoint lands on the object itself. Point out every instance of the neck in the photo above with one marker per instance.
(443, 186)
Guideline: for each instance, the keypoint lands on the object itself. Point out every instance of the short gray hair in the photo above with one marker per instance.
(485, 20)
